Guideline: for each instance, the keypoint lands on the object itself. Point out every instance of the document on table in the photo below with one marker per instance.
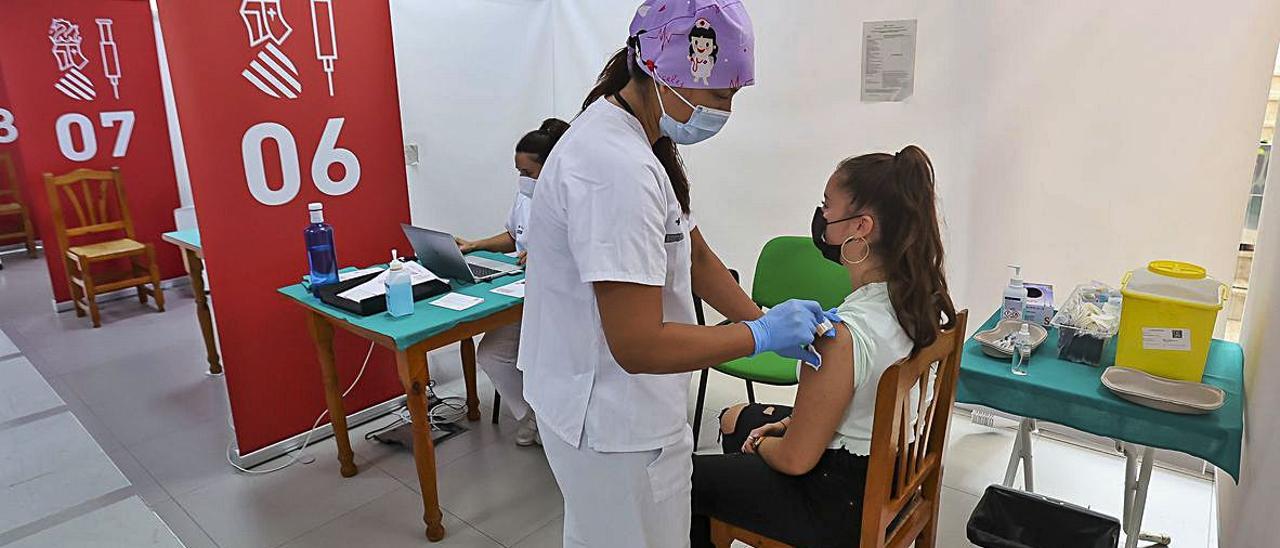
(513, 289)
(456, 301)
(888, 60)
(344, 276)
(378, 285)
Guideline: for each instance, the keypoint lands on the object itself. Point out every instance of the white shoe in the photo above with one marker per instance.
(527, 434)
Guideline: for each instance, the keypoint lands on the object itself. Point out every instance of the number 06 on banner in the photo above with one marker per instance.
(327, 153)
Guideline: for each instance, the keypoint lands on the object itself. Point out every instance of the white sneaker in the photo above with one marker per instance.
(527, 434)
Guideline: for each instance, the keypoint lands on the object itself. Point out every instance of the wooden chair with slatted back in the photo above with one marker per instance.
(904, 476)
(100, 210)
(12, 205)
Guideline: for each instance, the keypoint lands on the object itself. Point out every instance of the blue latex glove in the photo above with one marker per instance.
(788, 328)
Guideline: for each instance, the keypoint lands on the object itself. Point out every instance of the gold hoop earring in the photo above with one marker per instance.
(865, 254)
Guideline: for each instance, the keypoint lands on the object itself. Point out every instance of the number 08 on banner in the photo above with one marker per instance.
(327, 153)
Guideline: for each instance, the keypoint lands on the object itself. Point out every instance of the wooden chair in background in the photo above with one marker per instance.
(98, 201)
(904, 476)
(12, 205)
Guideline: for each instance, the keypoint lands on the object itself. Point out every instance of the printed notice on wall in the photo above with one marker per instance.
(888, 60)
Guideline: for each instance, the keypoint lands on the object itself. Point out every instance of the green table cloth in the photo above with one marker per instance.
(1072, 394)
(427, 320)
(190, 237)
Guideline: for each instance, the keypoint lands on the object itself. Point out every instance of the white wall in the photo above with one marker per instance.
(1248, 512)
(1106, 134)
(474, 76)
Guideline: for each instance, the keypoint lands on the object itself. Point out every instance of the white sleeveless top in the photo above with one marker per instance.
(878, 342)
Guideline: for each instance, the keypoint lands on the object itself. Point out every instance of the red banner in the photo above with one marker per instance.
(285, 102)
(83, 82)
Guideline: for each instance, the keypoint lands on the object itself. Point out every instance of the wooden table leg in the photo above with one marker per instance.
(412, 367)
(195, 267)
(322, 332)
(469, 374)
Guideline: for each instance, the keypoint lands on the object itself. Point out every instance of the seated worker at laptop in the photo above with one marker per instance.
(497, 352)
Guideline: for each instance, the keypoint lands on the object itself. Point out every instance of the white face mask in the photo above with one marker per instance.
(702, 125)
(525, 185)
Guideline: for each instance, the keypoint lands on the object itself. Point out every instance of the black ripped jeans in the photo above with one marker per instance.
(820, 508)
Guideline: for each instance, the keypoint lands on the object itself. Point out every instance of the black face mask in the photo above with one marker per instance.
(830, 251)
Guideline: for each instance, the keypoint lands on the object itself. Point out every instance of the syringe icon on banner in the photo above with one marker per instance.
(110, 56)
(322, 27)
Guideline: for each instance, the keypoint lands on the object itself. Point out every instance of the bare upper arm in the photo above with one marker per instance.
(821, 401)
(630, 314)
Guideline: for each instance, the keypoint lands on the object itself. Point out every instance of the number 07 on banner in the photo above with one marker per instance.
(327, 154)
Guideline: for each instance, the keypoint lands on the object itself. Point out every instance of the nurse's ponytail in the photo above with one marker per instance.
(539, 142)
(617, 73)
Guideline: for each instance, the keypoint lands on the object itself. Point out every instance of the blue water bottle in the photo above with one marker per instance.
(321, 253)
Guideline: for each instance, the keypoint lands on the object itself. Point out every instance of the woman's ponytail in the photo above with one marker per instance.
(617, 73)
(539, 142)
(899, 188)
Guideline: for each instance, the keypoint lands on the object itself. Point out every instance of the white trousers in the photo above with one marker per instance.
(623, 500)
(496, 356)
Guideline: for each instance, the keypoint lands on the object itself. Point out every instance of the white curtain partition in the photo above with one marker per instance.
(1247, 512)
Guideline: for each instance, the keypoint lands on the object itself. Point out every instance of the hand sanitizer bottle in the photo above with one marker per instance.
(1022, 350)
(1015, 295)
(321, 254)
(399, 288)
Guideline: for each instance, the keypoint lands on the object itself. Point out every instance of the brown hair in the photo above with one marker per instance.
(617, 73)
(899, 189)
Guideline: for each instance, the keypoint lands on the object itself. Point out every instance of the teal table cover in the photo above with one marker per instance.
(427, 320)
(1072, 394)
(189, 237)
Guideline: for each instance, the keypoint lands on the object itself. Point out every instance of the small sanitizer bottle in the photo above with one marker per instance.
(399, 288)
(1021, 350)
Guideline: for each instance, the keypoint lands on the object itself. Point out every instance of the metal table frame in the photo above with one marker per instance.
(1139, 460)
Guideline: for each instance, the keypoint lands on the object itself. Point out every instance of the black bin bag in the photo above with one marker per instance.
(1010, 518)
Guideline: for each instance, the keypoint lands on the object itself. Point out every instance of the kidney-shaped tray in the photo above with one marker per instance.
(1189, 398)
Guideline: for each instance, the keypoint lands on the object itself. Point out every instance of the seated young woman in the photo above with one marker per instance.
(796, 474)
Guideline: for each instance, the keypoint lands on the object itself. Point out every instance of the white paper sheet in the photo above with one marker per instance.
(513, 289)
(888, 60)
(456, 301)
(378, 285)
(344, 276)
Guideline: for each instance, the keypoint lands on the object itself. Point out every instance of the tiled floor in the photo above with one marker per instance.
(58, 486)
(137, 385)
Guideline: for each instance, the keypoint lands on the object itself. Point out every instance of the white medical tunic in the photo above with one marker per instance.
(605, 212)
(518, 218)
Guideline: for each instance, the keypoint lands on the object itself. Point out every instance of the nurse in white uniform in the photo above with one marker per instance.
(608, 339)
(496, 355)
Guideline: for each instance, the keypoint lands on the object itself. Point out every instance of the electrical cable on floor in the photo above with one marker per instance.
(447, 410)
(300, 451)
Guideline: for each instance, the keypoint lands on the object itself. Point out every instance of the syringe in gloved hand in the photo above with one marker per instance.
(822, 330)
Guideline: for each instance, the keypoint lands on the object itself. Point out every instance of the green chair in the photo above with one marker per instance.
(789, 267)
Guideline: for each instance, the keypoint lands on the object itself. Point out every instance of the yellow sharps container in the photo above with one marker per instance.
(1167, 321)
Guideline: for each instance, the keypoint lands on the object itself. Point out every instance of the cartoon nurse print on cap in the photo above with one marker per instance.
(702, 51)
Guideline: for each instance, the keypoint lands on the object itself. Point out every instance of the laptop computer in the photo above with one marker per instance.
(439, 252)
